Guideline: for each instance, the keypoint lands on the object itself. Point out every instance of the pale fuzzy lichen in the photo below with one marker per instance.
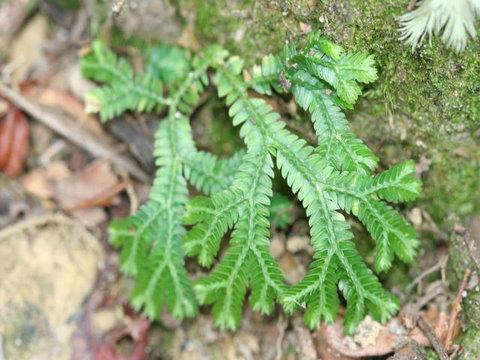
(454, 20)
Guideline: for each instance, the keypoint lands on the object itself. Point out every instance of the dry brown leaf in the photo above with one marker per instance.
(85, 186)
(14, 142)
(305, 28)
(82, 194)
(39, 182)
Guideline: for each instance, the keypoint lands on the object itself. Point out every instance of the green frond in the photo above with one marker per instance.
(359, 195)
(151, 239)
(134, 236)
(209, 174)
(123, 91)
(329, 232)
(329, 63)
(141, 93)
(248, 260)
(372, 298)
(336, 143)
(102, 65)
(317, 291)
(389, 229)
(397, 184)
(266, 77)
(214, 218)
(306, 171)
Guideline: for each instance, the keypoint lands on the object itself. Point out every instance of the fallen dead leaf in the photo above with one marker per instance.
(83, 193)
(82, 189)
(305, 28)
(39, 182)
(14, 142)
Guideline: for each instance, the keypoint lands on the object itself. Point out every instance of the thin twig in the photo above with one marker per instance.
(434, 341)
(73, 132)
(456, 308)
(132, 195)
(411, 309)
(438, 266)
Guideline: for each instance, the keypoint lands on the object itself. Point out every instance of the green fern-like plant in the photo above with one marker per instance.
(331, 178)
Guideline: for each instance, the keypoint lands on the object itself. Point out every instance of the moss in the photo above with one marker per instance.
(471, 344)
(452, 188)
(246, 27)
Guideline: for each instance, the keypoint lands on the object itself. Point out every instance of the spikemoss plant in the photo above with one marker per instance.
(333, 178)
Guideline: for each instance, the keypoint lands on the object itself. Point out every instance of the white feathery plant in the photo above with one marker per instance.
(454, 20)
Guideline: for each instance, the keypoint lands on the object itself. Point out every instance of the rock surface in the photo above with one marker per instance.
(49, 265)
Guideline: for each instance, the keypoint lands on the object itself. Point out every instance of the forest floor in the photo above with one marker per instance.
(61, 294)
